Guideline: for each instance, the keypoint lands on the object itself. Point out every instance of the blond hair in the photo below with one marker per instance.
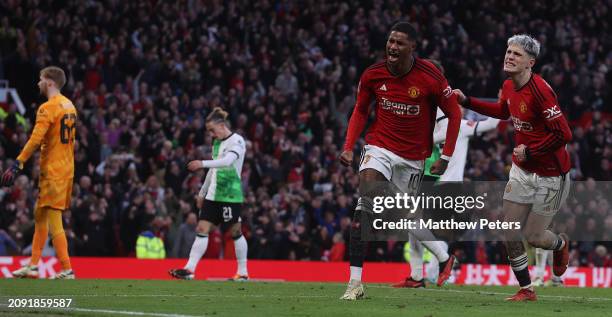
(55, 74)
(217, 115)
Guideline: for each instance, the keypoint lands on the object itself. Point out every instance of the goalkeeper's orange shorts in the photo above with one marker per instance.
(56, 194)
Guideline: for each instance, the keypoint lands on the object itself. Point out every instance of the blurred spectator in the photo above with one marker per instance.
(148, 246)
(7, 244)
(185, 237)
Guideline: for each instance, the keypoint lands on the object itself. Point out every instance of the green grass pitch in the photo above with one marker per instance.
(202, 298)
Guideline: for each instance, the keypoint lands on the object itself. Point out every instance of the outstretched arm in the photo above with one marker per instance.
(497, 109)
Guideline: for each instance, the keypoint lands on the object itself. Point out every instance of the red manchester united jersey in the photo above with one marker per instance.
(538, 123)
(405, 110)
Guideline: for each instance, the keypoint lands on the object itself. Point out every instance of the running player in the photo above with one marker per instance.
(452, 179)
(406, 90)
(220, 199)
(54, 132)
(539, 180)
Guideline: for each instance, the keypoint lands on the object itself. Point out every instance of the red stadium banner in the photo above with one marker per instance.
(294, 271)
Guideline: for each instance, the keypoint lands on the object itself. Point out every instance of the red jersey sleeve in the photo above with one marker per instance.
(448, 104)
(359, 118)
(554, 120)
(497, 109)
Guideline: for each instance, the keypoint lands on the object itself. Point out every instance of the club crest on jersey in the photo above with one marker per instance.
(523, 107)
(552, 112)
(413, 92)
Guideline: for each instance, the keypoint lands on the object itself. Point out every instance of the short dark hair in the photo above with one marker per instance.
(406, 28)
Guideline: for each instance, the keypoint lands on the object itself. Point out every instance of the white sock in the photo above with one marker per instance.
(432, 268)
(356, 273)
(416, 258)
(241, 247)
(438, 248)
(540, 259)
(197, 251)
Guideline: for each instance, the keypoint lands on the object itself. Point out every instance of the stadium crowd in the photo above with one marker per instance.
(144, 75)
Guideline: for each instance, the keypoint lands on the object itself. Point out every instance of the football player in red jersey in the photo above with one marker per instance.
(539, 180)
(405, 90)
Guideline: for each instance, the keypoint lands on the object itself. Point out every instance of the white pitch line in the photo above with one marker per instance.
(108, 311)
(505, 294)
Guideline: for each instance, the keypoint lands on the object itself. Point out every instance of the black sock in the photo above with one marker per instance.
(356, 246)
(520, 269)
(442, 265)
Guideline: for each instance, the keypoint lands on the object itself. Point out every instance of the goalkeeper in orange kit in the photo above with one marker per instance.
(54, 132)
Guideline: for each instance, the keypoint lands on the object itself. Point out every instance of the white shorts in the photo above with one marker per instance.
(405, 174)
(546, 194)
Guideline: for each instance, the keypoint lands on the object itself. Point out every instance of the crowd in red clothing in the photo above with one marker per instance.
(144, 75)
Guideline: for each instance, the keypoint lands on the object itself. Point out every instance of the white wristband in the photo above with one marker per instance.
(445, 157)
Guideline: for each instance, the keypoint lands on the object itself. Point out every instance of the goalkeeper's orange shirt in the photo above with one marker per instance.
(54, 132)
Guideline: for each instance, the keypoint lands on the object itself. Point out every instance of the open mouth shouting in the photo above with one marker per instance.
(393, 56)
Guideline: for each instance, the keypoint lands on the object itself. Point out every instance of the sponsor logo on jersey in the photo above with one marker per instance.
(552, 112)
(520, 125)
(413, 92)
(447, 92)
(383, 87)
(523, 107)
(400, 109)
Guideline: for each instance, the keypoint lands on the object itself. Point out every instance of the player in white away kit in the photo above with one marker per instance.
(453, 174)
(220, 199)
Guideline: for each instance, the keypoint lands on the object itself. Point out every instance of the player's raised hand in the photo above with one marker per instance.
(520, 152)
(461, 98)
(194, 165)
(438, 167)
(8, 177)
(346, 158)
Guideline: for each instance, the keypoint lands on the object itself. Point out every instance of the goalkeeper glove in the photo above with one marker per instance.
(9, 175)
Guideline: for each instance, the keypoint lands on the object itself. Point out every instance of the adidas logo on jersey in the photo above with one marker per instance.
(383, 88)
